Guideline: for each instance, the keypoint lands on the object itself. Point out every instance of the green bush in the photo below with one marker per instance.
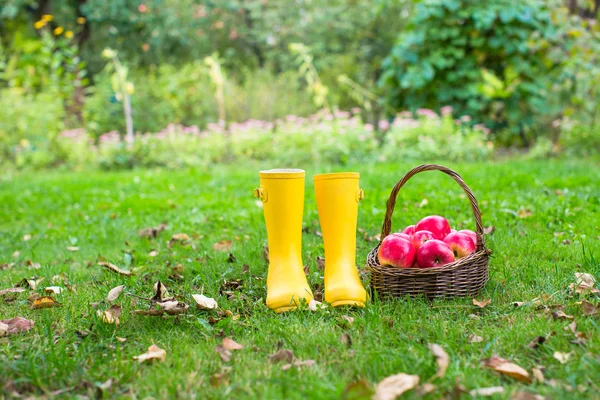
(488, 59)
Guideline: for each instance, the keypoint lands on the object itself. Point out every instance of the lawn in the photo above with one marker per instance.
(547, 227)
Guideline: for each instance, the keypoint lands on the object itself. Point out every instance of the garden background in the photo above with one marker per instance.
(131, 136)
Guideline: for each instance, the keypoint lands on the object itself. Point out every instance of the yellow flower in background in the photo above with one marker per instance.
(81, 20)
(47, 17)
(39, 24)
(58, 30)
(69, 34)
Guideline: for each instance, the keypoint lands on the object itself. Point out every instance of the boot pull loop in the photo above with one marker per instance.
(261, 193)
(360, 194)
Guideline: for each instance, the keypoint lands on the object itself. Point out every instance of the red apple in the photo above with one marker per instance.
(471, 234)
(420, 237)
(460, 243)
(409, 230)
(434, 253)
(434, 224)
(396, 251)
(402, 235)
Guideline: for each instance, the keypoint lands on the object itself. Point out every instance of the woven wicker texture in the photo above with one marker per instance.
(464, 277)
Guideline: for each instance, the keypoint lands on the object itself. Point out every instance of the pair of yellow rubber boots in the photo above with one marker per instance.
(338, 194)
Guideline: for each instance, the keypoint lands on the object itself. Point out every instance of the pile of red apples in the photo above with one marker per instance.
(429, 243)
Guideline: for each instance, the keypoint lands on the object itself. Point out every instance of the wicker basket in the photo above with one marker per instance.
(464, 277)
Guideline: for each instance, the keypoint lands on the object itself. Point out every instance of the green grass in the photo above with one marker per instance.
(101, 213)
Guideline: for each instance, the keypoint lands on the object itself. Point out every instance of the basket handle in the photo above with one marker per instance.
(391, 203)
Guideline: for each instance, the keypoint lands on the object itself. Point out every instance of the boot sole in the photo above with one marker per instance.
(347, 303)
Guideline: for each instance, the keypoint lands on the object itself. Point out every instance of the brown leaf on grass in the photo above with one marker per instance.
(152, 232)
(44, 302)
(524, 213)
(5, 266)
(220, 379)
(245, 268)
(266, 253)
(538, 374)
(442, 359)
(161, 294)
(481, 304)
(15, 325)
(230, 344)
(424, 389)
(348, 319)
(121, 339)
(205, 303)
(152, 253)
(4, 292)
(298, 364)
(526, 396)
(559, 314)
(282, 355)
(114, 293)
(393, 386)
(315, 305)
(53, 289)
(507, 368)
(180, 237)
(486, 392)
(114, 268)
(110, 316)
(223, 245)
(584, 283)
(473, 338)
(320, 263)
(489, 230)
(572, 327)
(154, 353)
(536, 342)
(231, 259)
(32, 282)
(223, 353)
(345, 339)
(32, 265)
(173, 307)
(72, 248)
(563, 358)
(589, 308)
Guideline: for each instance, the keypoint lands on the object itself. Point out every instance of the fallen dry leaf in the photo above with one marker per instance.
(348, 319)
(266, 253)
(527, 396)
(524, 213)
(486, 392)
(223, 245)
(481, 304)
(424, 389)
(110, 316)
(584, 283)
(473, 338)
(507, 368)
(114, 293)
(320, 263)
(151, 232)
(73, 248)
(173, 307)
(346, 339)
(298, 364)
(489, 230)
(11, 290)
(205, 303)
(393, 386)
(315, 305)
(161, 294)
(154, 353)
(220, 379)
(538, 375)
(114, 268)
(537, 342)
(223, 353)
(153, 253)
(282, 355)
(563, 358)
(121, 339)
(53, 289)
(560, 315)
(43, 302)
(32, 283)
(180, 237)
(230, 344)
(589, 308)
(442, 359)
(358, 390)
(572, 327)
(14, 325)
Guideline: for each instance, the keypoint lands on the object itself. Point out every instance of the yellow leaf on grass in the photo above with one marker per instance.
(43, 302)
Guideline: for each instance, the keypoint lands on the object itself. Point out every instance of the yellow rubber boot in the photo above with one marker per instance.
(337, 201)
(282, 194)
